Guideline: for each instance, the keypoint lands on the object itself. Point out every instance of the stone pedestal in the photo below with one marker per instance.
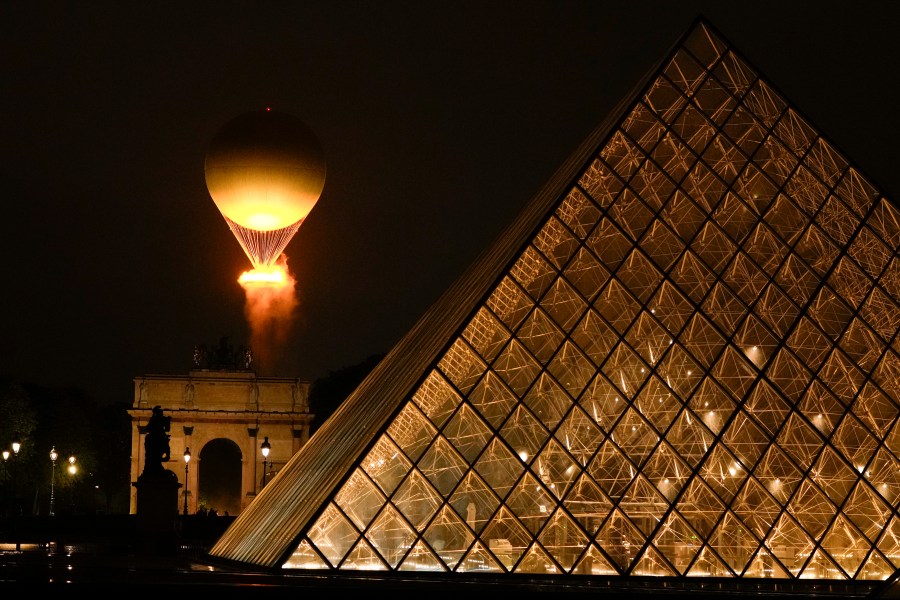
(157, 510)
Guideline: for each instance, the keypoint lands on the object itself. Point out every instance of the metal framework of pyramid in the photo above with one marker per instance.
(679, 360)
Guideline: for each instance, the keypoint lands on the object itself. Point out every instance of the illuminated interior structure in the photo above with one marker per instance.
(681, 359)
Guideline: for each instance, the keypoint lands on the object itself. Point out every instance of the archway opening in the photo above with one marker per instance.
(220, 477)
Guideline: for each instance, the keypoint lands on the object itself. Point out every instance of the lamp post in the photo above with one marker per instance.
(53, 456)
(187, 459)
(18, 509)
(265, 447)
(72, 470)
(5, 454)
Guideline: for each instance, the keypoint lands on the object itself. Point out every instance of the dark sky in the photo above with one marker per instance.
(439, 121)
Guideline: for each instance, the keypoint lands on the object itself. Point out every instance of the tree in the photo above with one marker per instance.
(98, 436)
(17, 425)
(327, 393)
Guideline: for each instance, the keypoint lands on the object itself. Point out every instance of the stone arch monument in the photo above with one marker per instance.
(211, 403)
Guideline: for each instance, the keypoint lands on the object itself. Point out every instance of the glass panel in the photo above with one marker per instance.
(555, 468)
(634, 436)
(333, 535)
(436, 398)
(516, 367)
(386, 465)
(525, 434)
(468, 433)
(486, 334)
(641, 125)
(587, 503)
(548, 401)
(712, 405)
(509, 303)
(724, 308)
(564, 304)
(417, 500)
(657, 404)
(448, 537)
(555, 242)
(648, 338)
(536, 560)
(412, 431)
(563, 540)
(833, 475)
(531, 503)
(702, 341)
(600, 183)
(422, 558)
(723, 472)
(692, 276)
(493, 399)
(667, 471)
(587, 274)
(578, 212)
(790, 544)
(733, 542)
(602, 402)
(533, 273)
(701, 507)
(617, 306)
(690, 438)
(683, 216)
(713, 246)
(639, 275)
(609, 244)
(499, 467)
(662, 245)
(725, 158)
(572, 369)
(391, 536)
(540, 335)
(756, 508)
(766, 406)
(474, 501)
(631, 214)
(845, 545)
(507, 538)
(812, 509)
(800, 441)
(836, 220)
(620, 539)
(443, 466)
(594, 336)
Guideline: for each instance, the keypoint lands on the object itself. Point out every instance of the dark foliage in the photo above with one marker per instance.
(327, 393)
(97, 435)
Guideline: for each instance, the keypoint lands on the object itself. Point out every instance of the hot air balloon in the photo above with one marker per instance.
(265, 171)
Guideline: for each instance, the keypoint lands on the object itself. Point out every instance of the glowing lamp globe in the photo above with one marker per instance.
(265, 170)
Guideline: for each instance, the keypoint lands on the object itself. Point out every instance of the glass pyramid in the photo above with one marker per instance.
(679, 361)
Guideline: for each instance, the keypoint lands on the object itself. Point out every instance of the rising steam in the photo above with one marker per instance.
(270, 306)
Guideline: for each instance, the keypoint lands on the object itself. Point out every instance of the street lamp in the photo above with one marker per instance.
(18, 509)
(5, 454)
(187, 459)
(72, 468)
(265, 447)
(53, 456)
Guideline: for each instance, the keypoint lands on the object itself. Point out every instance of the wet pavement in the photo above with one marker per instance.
(82, 568)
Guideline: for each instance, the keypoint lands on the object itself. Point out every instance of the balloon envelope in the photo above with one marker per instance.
(265, 170)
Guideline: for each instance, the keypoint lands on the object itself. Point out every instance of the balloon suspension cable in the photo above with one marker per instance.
(263, 247)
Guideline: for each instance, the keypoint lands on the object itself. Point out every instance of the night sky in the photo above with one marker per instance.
(439, 121)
